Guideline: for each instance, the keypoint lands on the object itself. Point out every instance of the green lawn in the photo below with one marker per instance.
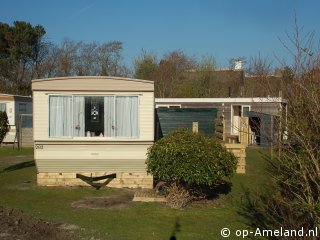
(10, 151)
(140, 221)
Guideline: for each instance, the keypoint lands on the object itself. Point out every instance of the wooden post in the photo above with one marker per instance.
(280, 130)
(244, 130)
(271, 135)
(157, 131)
(195, 127)
(224, 129)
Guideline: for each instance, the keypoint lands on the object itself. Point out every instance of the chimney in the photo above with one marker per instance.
(237, 65)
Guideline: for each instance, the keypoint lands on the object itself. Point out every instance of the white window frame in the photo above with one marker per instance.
(232, 115)
(59, 95)
(168, 106)
(95, 137)
(243, 106)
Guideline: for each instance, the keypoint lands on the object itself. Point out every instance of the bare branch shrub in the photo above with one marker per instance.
(177, 196)
(295, 200)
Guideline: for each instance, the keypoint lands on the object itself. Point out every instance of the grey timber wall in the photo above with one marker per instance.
(25, 130)
(169, 119)
(268, 127)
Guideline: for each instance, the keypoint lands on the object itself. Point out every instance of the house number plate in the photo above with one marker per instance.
(39, 146)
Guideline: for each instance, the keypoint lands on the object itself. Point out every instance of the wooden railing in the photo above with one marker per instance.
(233, 146)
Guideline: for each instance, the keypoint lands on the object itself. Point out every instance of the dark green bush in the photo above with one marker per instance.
(4, 125)
(190, 159)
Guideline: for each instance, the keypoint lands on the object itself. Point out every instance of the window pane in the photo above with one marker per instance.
(2, 107)
(22, 107)
(60, 119)
(109, 121)
(94, 116)
(78, 117)
(127, 117)
(245, 111)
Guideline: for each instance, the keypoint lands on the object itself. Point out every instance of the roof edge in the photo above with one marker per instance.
(223, 100)
(95, 77)
(13, 95)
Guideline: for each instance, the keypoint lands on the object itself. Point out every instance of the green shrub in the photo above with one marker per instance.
(4, 125)
(190, 159)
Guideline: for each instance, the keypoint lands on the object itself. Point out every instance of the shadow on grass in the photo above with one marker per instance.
(18, 166)
(259, 193)
(253, 209)
(177, 228)
(259, 206)
(214, 192)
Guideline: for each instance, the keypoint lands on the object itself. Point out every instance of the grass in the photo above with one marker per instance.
(140, 221)
(10, 151)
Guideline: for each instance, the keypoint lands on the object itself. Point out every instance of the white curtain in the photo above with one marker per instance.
(78, 116)
(60, 112)
(109, 121)
(126, 116)
(121, 116)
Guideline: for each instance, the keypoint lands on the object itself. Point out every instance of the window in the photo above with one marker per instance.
(175, 106)
(22, 108)
(168, 106)
(3, 107)
(94, 116)
(126, 117)
(78, 116)
(94, 113)
(245, 109)
(238, 111)
(60, 119)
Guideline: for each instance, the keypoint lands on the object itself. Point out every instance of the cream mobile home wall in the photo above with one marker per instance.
(59, 159)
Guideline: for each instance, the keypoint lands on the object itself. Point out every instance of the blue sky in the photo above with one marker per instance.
(224, 29)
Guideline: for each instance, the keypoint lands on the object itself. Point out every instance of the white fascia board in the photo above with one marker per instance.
(11, 95)
(222, 100)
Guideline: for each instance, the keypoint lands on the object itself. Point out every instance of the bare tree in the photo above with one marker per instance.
(259, 81)
(199, 81)
(300, 47)
(109, 55)
(67, 57)
(88, 61)
(172, 72)
(73, 58)
(294, 202)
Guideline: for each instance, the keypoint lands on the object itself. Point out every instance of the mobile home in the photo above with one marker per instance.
(14, 106)
(93, 128)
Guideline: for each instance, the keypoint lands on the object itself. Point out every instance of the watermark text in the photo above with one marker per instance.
(281, 232)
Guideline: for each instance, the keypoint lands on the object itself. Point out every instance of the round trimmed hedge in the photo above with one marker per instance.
(190, 158)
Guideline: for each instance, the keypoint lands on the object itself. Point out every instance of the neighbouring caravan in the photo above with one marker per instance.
(257, 109)
(15, 106)
(93, 130)
(169, 119)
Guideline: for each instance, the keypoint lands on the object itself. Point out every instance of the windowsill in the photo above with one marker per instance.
(94, 139)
